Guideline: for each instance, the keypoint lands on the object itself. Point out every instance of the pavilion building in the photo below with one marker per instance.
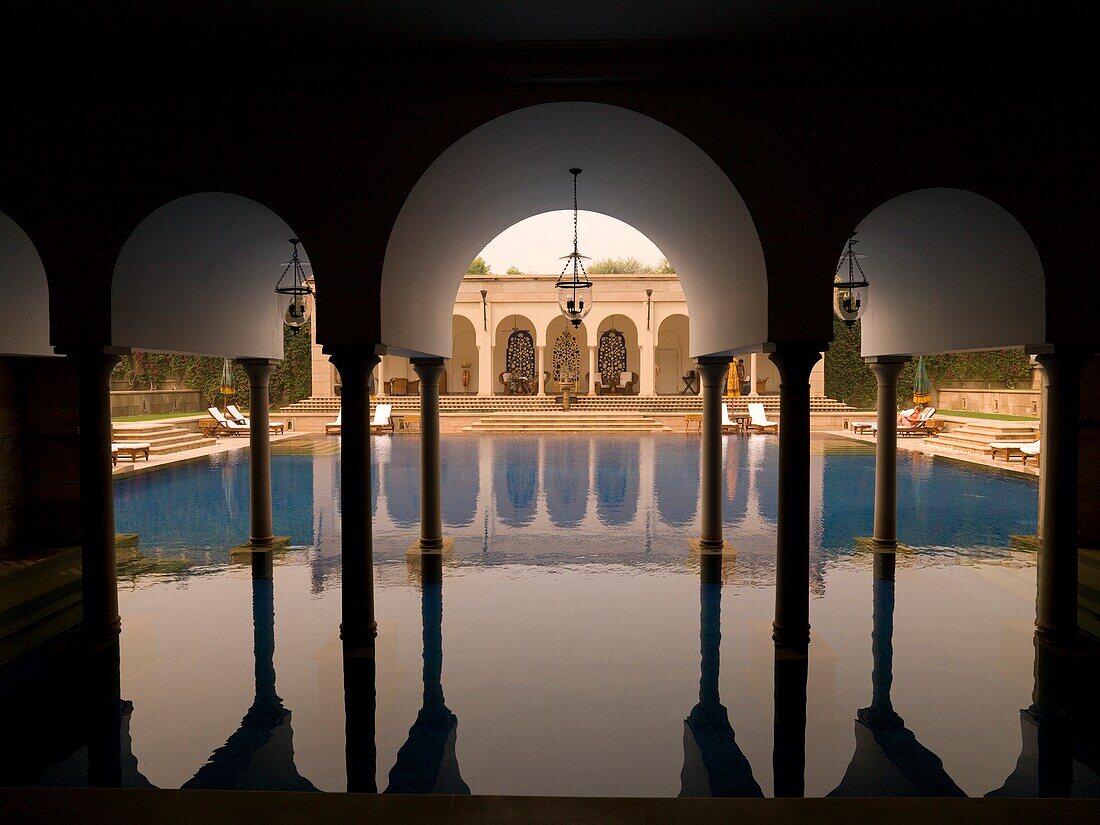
(510, 324)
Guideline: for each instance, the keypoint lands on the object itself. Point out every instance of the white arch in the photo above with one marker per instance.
(198, 276)
(635, 168)
(949, 271)
(26, 329)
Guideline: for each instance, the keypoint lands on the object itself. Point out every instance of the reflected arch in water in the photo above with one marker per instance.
(516, 480)
(461, 480)
(616, 480)
(565, 479)
(401, 480)
(676, 478)
(736, 479)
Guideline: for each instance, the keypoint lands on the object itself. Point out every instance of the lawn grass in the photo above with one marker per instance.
(991, 416)
(158, 416)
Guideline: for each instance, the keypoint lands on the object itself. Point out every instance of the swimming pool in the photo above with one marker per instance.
(571, 649)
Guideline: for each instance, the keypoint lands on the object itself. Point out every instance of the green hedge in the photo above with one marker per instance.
(849, 379)
(292, 379)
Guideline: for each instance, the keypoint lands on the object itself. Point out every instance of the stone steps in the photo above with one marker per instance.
(41, 598)
(566, 422)
(475, 405)
(163, 439)
(975, 438)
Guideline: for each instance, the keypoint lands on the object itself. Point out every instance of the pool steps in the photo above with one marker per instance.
(163, 438)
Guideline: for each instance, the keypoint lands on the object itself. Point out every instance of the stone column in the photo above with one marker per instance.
(792, 576)
(886, 371)
(753, 374)
(648, 378)
(592, 377)
(97, 499)
(380, 387)
(360, 701)
(431, 498)
(541, 367)
(485, 375)
(1056, 604)
(259, 435)
(357, 626)
(712, 374)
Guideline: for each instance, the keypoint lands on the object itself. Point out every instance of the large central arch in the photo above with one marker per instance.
(635, 168)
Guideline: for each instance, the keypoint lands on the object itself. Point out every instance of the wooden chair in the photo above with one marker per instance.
(398, 386)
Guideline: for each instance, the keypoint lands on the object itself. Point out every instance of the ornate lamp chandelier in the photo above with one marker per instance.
(850, 293)
(574, 288)
(297, 311)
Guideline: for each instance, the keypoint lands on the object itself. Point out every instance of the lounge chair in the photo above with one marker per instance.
(1030, 451)
(1014, 448)
(625, 383)
(758, 420)
(334, 426)
(921, 427)
(224, 425)
(276, 427)
(382, 422)
(728, 424)
(130, 448)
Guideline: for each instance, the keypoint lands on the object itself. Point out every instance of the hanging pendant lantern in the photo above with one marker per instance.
(574, 288)
(850, 293)
(297, 291)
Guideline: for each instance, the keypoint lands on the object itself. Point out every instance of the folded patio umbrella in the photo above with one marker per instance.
(922, 387)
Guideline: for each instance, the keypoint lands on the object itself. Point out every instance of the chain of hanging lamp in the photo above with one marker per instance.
(572, 293)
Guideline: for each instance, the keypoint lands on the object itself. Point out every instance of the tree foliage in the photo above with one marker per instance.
(291, 380)
(479, 266)
(620, 266)
(849, 379)
(514, 270)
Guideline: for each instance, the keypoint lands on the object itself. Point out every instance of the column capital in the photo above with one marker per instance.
(1063, 364)
(429, 370)
(349, 359)
(886, 372)
(887, 359)
(796, 360)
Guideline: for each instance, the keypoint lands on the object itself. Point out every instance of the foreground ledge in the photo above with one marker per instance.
(273, 808)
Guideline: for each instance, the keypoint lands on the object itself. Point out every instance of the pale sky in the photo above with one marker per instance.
(534, 245)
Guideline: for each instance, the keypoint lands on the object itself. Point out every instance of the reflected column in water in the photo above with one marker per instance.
(259, 755)
(888, 760)
(360, 702)
(789, 723)
(713, 763)
(427, 762)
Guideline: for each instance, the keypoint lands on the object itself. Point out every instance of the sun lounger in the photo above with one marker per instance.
(1010, 449)
(921, 427)
(382, 422)
(728, 424)
(276, 427)
(225, 425)
(758, 421)
(334, 426)
(133, 449)
(1030, 451)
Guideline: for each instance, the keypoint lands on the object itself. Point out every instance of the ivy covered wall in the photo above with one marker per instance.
(849, 379)
(290, 381)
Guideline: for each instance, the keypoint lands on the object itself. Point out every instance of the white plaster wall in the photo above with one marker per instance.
(198, 276)
(463, 349)
(674, 335)
(636, 169)
(26, 328)
(949, 271)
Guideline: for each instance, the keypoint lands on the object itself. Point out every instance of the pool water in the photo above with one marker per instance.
(571, 648)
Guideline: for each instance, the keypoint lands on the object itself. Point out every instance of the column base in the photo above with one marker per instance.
(360, 641)
(446, 548)
(869, 543)
(249, 547)
(706, 547)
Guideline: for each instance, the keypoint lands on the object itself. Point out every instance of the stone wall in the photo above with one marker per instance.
(39, 453)
(154, 402)
(1001, 401)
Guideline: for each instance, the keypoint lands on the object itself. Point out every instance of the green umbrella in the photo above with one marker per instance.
(922, 387)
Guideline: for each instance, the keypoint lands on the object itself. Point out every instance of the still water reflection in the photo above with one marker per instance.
(577, 633)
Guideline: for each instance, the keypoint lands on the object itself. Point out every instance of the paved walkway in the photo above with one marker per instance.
(928, 446)
(225, 444)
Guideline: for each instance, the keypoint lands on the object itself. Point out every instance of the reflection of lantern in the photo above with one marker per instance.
(297, 311)
(228, 386)
(574, 289)
(849, 294)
